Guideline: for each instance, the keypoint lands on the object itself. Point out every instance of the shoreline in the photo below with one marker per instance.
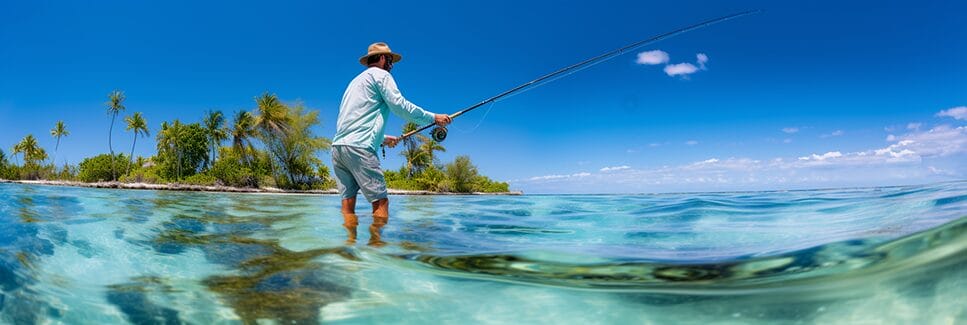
(225, 189)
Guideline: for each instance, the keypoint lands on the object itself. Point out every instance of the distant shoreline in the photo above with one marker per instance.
(226, 189)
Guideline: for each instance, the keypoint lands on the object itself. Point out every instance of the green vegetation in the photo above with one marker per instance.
(420, 170)
(59, 131)
(272, 145)
(182, 150)
(115, 105)
(293, 148)
(232, 169)
(139, 126)
(33, 156)
(6, 170)
(100, 168)
(215, 129)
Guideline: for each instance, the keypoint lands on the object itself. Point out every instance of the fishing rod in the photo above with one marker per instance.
(440, 133)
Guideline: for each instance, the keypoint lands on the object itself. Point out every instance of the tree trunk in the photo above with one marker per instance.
(131, 158)
(54, 160)
(178, 154)
(111, 146)
(211, 163)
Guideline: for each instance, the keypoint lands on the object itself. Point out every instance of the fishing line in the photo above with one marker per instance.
(440, 133)
(474, 128)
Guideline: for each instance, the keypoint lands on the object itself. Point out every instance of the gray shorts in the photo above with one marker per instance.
(358, 169)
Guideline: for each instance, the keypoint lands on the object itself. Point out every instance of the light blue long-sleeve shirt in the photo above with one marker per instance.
(365, 108)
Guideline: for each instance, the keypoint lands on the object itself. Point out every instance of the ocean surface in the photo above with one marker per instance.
(851, 256)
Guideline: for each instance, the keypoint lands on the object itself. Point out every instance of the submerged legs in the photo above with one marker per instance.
(351, 221)
(380, 218)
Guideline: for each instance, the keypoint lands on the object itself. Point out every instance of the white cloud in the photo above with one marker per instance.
(679, 69)
(654, 144)
(790, 130)
(828, 155)
(691, 142)
(787, 140)
(616, 168)
(939, 171)
(552, 177)
(834, 134)
(683, 69)
(652, 57)
(914, 126)
(939, 141)
(958, 113)
(916, 156)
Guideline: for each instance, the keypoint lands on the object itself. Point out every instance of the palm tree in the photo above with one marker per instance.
(243, 130)
(59, 130)
(17, 148)
(168, 141)
(215, 129)
(3, 163)
(115, 105)
(271, 116)
(139, 126)
(31, 151)
(429, 147)
(416, 159)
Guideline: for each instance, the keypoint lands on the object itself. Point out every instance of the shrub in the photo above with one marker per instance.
(66, 173)
(326, 181)
(98, 168)
(398, 180)
(432, 179)
(11, 172)
(484, 184)
(143, 175)
(231, 170)
(32, 171)
(199, 179)
(461, 174)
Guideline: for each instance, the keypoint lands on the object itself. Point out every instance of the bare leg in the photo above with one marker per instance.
(350, 221)
(380, 218)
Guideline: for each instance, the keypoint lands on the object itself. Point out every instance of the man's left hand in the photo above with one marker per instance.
(390, 141)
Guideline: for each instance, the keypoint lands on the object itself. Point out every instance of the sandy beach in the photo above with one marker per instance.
(226, 189)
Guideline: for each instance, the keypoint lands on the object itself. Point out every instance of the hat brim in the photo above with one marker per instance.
(396, 57)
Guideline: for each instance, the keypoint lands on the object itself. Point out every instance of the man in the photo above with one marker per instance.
(360, 130)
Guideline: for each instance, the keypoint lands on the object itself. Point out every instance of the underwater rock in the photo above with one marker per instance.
(132, 300)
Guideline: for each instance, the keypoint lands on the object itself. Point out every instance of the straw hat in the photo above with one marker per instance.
(379, 48)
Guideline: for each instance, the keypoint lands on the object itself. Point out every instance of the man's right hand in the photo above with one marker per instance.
(442, 119)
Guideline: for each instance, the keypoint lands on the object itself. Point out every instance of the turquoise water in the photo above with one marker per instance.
(871, 255)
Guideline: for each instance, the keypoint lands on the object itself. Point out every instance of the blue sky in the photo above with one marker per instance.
(802, 95)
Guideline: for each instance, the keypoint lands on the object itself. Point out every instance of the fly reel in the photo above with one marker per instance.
(439, 134)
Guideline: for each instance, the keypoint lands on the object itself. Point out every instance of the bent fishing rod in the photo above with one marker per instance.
(440, 133)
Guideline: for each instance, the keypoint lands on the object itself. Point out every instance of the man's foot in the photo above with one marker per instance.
(377, 243)
(376, 231)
